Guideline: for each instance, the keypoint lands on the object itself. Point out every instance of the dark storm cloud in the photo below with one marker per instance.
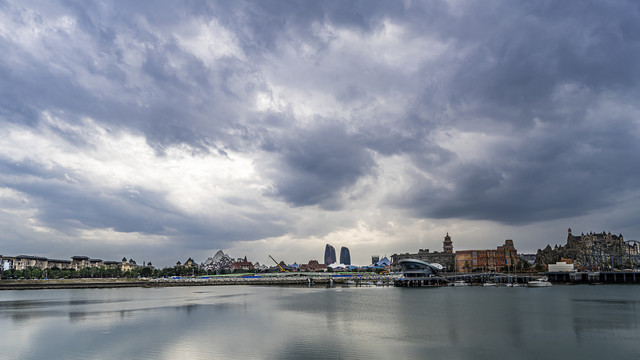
(179, 103)
(571, 173)
(519, 58)
(554, 83)
(572, 66)
(318, 165)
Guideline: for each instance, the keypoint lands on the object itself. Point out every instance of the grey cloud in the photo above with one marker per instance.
(71, 205)
(558, 175)
(517, 64)
(318, 165)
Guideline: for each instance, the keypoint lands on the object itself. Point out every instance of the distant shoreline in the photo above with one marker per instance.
(69, 284)
(152, 283)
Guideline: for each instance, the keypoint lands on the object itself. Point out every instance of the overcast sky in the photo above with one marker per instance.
(165, 130)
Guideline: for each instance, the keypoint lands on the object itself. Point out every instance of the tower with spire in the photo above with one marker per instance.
(447, 244)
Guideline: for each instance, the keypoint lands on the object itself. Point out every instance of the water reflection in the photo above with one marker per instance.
(286, 323)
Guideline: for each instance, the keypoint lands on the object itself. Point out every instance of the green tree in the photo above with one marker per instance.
(146, 272)
(36, 273)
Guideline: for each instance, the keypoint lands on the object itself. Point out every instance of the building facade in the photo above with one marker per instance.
(446, 258)
(241, 265)
(566, 265)
(505, 255)
(345, 256)
(592, 251)
(329, 255)
(447, 245)
(22, 262)
(313, 265)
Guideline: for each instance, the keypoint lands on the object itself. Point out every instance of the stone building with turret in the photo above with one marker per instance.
(591, 251)
(447, 245)
(446, 258)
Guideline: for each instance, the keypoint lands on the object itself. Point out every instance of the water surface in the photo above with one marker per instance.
(240, 322)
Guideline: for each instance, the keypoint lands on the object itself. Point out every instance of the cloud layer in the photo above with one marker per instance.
(166, 130)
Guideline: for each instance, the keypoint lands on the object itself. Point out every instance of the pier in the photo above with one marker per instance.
(470, 278)
(595, 277)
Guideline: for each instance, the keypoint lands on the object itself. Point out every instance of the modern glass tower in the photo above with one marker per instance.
(329, 255)
(345, 256)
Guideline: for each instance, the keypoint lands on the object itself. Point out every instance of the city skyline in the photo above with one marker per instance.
(169, 130)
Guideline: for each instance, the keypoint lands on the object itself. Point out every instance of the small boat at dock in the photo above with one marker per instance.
(539, 282)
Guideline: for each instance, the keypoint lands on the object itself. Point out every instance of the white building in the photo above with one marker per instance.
(561, 266)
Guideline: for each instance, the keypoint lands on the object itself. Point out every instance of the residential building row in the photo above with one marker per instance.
(22, 262)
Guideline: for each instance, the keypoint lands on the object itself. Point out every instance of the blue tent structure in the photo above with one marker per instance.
(384, 262)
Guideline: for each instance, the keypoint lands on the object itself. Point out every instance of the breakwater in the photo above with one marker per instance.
(314, 279)
(276, 279)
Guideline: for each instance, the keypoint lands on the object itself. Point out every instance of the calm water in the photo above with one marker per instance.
(238, 322)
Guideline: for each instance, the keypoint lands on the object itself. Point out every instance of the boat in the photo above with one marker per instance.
(539, 282)
(460, 283)
(489, 283)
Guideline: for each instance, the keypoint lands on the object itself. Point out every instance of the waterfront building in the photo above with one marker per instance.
(345, 256)
(128, 265)
(95, 263)
(412, 268)
(242, 265)
(80, 262)
(114, 264)
(61, 264)
(190, 263)
(487, 260)
(446, 258)
(562, 266)
(447, 245)
(384, 262)
(313, 265)
(592, 251)
(329, 255)
(22, 262)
